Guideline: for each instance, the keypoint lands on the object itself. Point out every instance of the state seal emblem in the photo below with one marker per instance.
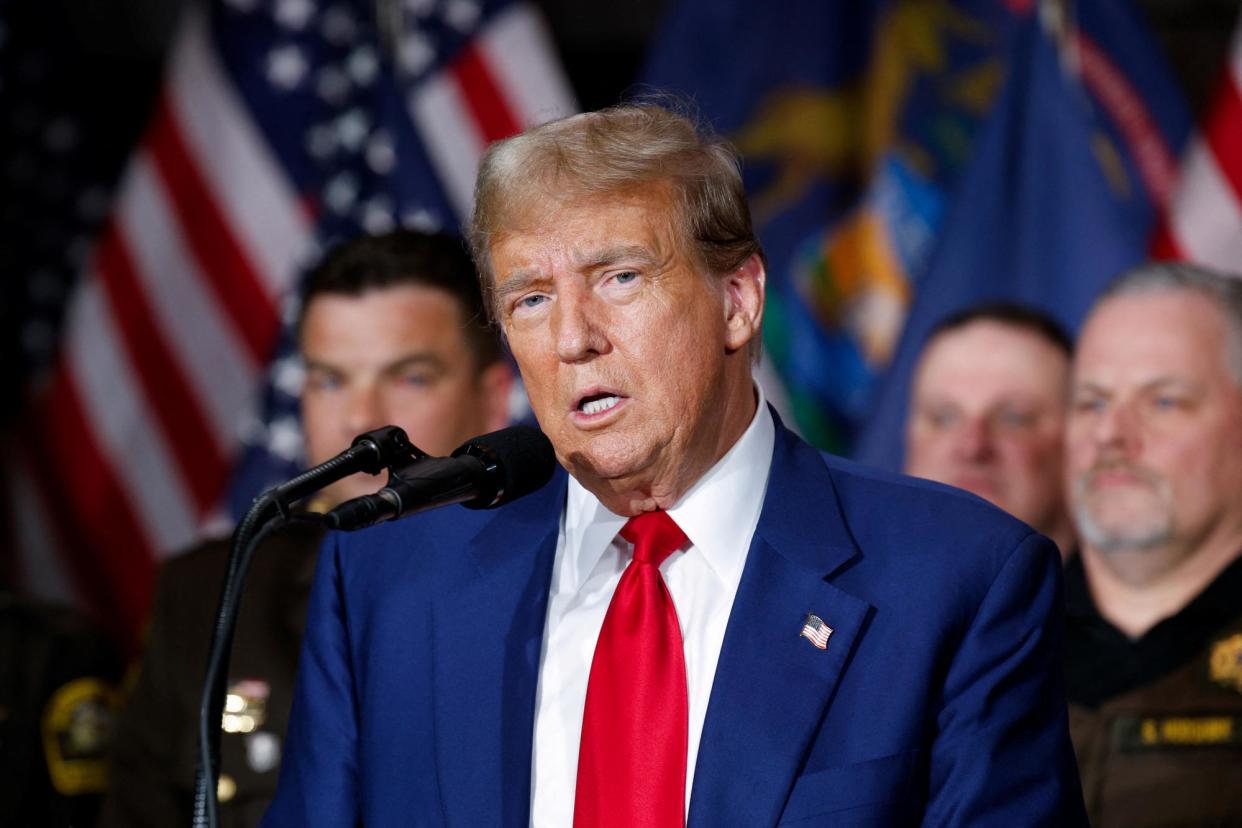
(1225, 662)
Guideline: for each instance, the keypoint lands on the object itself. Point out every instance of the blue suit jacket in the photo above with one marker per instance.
(938, 700)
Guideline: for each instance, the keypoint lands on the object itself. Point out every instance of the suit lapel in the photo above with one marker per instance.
(488, 634)
(772, 686)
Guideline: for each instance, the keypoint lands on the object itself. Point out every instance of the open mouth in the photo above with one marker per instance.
(598, 403)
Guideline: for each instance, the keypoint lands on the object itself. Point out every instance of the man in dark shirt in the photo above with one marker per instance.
(392, 331)
(1154, 641)
(58, 677)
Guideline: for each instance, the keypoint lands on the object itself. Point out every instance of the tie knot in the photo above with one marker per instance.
(655, 536)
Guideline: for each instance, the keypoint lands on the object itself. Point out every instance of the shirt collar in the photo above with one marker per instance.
(718, 513)
(1102, 663)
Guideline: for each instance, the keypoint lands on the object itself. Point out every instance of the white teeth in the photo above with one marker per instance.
(596, 406)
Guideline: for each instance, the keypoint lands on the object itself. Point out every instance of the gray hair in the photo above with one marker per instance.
(1224, 290)
(613, 151)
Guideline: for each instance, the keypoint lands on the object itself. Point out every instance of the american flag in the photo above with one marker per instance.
(1204, 221)
(816, 631)
(282, 125)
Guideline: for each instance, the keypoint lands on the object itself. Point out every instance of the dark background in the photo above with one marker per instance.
(77, 79)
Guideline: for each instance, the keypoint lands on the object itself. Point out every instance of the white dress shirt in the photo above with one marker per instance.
(718, 514)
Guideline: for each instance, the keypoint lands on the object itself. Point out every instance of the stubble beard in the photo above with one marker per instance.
(1137, 531)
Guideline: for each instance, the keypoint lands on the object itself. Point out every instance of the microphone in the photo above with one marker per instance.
(370, 452)
(483, 473)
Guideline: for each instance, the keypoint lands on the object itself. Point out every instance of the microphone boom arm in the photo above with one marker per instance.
(370, 452)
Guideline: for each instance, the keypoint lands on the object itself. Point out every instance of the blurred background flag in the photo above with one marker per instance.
(1204, 220)
(1069, 174)
(856, 120)
(460, 81)
(282, 125)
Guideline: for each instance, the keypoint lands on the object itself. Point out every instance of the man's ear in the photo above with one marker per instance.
(744, 297)
(495, 384)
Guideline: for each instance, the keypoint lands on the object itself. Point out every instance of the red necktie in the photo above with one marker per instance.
(632, 761)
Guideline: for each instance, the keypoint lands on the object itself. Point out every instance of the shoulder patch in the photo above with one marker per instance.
(77, 728)
(1225, 662)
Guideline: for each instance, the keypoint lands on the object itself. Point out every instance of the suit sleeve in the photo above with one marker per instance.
(1002, 754)
(319, 772)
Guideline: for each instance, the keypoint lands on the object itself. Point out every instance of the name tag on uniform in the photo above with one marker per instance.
(1136, 733)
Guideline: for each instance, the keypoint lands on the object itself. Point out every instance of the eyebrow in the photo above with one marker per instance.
(517, 282)
(603, 257)
(1155, 382)
(418, 360)
(406, 361)
(523, 278)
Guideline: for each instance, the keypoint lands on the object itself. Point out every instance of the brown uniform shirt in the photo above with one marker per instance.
(155, 746)
(58, 678)
(1157, 722)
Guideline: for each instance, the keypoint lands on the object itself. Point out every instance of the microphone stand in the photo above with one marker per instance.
(371, 452)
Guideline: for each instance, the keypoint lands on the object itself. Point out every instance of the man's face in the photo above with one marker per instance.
(393, 356)
(634, 361)
(1155, 432)
(988, 416)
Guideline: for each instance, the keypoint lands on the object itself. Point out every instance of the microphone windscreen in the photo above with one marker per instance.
(520, 457)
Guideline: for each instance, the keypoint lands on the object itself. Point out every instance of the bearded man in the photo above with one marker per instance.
(1154, 640)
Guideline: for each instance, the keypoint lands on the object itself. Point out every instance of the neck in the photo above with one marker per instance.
(1135, 589)
(1061, 532)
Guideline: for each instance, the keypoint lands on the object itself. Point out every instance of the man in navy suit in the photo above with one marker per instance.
(705, 621)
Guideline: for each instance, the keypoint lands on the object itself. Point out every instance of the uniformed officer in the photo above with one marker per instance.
(58, 697)
(1154, 638)
(392, 331)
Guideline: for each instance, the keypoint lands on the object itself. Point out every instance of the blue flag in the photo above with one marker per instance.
(1067, 179)
(855, 120)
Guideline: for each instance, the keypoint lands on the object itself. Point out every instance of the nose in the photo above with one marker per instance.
(1116, 427)
(576, 328)
(973, 440)
(364, 411)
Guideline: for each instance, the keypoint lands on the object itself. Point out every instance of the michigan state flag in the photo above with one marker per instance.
(905, 158)
(1068, 177)
(855, 120)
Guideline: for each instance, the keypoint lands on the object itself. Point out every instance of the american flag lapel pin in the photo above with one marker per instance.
(816, 631)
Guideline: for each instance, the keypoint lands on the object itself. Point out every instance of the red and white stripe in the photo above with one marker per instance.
(131, 442)
(1204, 222)
(503, 82)
(816, 631)
(127, 448)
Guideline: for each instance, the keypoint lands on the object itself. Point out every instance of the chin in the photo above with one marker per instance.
(1135, 537)
(602, 468)
(1133, 525)
(609, 457)
(988, 493)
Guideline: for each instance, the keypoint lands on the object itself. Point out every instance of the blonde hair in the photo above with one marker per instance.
(613, 151)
